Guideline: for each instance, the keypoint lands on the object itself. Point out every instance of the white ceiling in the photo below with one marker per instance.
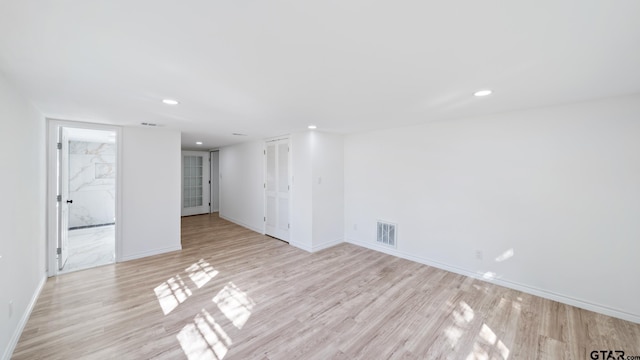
(265, 68)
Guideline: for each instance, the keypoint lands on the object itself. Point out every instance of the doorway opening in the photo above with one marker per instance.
(196, 183)
(83, 196)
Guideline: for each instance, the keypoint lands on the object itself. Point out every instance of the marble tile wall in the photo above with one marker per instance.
(92, 183)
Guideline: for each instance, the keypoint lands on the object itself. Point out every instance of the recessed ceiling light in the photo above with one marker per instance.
(170, 102)
(312, 127)
(482, 92)
(198, 142)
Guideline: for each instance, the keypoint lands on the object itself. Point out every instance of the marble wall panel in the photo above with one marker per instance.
(91, 183)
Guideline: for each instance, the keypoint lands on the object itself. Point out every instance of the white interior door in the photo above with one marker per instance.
(277, 189)
(195, 183)
(63, 198)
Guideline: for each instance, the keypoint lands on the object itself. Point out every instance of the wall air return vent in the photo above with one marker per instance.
(387, 233)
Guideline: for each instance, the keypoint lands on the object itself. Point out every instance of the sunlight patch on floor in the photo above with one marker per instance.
(478, 353)
(235, 304)
(172, 293)
(204, 338)
(516, 305)
(462, 315)
(454, 334)
(487, 334)
(201, 272)
(489, 343)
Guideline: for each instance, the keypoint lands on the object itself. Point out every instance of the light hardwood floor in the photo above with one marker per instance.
(234, 294)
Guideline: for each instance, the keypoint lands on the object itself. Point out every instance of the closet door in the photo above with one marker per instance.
(277, 189)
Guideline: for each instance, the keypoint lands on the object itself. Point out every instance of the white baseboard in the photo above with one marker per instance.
(302, 246)
(506, 283)
(23, 320)
(150, 253)
(326, 245)
(315, 248)
(259, 231)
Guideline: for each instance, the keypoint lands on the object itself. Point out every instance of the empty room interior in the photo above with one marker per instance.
(320, 180)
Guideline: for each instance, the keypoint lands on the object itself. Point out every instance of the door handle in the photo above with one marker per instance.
(69, 201)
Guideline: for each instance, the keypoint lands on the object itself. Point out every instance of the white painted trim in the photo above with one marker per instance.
(315, 248)
(151, 253)
(264, 189)
(212, 181)
(506, 283)
(326, 245)
(119, 184)
(302, 246)
(206, 190)
(52, 191)
(23, 320)
(259, 231)
(289, 180)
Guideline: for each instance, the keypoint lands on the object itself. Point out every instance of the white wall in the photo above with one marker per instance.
(151, 189)
(328, 190)
(317, 202)
(559, 187)
(22, 216)
(301, 234)
(318, 190)
(241, 184)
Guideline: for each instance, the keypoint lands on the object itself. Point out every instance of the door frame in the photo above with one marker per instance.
(289, 180)
(52, 187)
(62, 214)
(206, 179)
(214, 178)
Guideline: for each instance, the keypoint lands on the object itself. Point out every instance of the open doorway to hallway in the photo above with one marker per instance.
(200, 182)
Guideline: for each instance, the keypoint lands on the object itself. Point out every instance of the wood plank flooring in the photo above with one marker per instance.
(234, 294)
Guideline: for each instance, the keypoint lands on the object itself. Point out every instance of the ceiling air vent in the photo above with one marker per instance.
(387, 233)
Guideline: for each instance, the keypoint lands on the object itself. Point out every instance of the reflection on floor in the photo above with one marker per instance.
(90, 247)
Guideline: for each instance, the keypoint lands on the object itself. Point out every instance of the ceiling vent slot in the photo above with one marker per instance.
(387, 233)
